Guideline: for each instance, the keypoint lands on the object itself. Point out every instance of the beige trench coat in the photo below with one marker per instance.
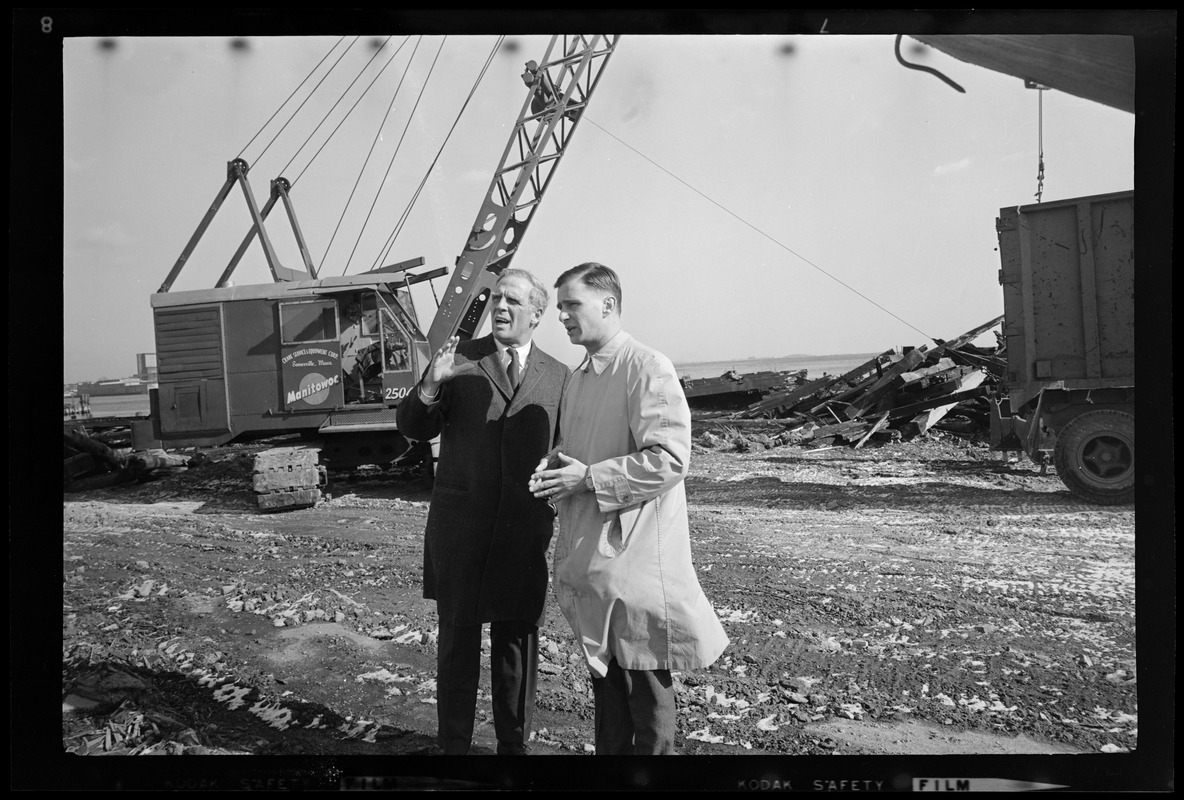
(623, 572)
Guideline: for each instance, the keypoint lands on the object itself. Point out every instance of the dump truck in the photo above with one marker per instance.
(1067, 272)
(329, 358)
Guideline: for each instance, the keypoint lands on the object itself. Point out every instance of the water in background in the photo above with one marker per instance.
(119, 405)
(815, 366)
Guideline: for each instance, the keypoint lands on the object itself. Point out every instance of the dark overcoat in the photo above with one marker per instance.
(485, 547)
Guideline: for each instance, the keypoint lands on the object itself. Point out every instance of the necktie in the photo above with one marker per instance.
(512, 368)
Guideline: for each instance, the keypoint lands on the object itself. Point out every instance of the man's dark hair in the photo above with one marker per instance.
(594, 276)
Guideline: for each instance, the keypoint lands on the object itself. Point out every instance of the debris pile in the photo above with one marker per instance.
(895, 396)
(733, 390)
(84, 455)
(93, 459)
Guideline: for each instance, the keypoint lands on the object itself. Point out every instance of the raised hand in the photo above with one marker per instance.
(444, 367)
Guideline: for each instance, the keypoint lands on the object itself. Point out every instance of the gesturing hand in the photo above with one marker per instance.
(444, 367)
(553, 485)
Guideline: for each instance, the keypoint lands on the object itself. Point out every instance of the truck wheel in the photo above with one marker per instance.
(1095, 456)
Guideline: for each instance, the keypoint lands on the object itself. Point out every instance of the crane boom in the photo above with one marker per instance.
(560, 89)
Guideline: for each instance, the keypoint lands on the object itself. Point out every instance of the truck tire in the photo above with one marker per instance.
(1095, 456)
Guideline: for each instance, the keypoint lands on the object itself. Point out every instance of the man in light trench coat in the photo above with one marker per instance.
(485, 547)
(623, 574)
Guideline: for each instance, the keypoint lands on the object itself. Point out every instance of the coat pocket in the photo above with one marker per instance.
(615, 535)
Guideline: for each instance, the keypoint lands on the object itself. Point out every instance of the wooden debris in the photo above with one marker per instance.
(842, 429)
(76, 439)
(956, 397)
(942, 366)
(873, 429)
(779, 401)
(151, 463)
(912, 359)
(899, 394)
(925, 420)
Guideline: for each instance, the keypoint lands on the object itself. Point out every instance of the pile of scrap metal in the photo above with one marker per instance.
(895, 396)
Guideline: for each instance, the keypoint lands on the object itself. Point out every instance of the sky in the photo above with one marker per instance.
(759, 195)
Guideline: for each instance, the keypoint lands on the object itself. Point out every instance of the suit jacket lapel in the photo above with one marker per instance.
(534, 372)
(494, 369)
(530, 375)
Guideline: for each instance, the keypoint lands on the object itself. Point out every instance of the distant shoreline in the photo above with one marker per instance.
(815, 365)
(793, 356)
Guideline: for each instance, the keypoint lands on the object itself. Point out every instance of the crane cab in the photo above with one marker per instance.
(323, 356)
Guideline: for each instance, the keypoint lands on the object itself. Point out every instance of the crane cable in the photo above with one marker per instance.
(289, 97)
(373, 144)
(378, 134)
(472, 91)
(406, 212)
(310, 94)
(762, 233)
(419, 189)
(391, 163)
(1039, 142)
(365, 66)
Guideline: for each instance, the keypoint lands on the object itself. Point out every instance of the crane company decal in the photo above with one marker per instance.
(312, 377)
(312, 357)
(314, 389)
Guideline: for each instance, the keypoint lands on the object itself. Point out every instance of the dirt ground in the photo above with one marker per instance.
(920, 598)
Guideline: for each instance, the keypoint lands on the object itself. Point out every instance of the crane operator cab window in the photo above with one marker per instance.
(377, 351)
(409, 354)
(302, 323)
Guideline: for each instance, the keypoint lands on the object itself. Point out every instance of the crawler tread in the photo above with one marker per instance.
(288, 478)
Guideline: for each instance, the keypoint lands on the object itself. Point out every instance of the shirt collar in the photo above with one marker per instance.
(523, 351)
(604, 356)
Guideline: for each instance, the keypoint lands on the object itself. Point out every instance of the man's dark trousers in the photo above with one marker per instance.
(514, 667)
(635, 712)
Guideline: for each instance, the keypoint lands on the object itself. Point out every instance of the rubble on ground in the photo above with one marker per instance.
(896, 396)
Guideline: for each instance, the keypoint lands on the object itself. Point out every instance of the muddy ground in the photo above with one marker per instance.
(927, 597)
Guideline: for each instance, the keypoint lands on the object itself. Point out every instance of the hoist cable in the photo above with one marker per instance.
(341, 122)
(407, 211)
(310, 94)
(330, 111)
(414, 197)
(1039, 143)
(374, 143)
(391, 163)
(281, 105)
(762, 233)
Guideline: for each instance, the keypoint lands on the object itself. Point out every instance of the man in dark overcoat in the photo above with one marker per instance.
(485, 548)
